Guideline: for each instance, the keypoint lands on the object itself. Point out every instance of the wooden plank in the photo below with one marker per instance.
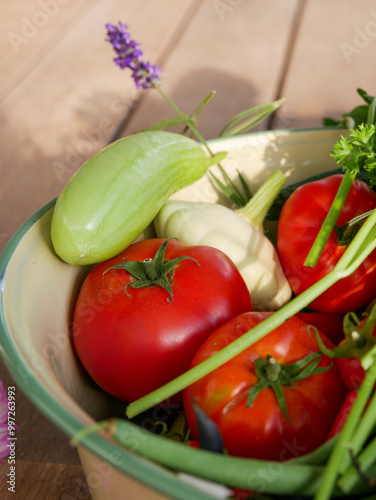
(29, 32)
(37, 438)
(334, 55)
(44, 480)
(68, 107)
(234, 48)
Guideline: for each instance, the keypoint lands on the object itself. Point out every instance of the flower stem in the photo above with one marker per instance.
(189, 124)
(257, 207)
(330, 220)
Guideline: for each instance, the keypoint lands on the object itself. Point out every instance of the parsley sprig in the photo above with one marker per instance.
(354, 154)
(358, 152)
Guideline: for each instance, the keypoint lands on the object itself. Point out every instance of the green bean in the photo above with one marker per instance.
(271, 477)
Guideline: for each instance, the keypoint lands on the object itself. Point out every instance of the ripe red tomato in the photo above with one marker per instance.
(299, 224)
(328, 323)
(343, 413)
(351, 371)
(262, 430)
(133, 340)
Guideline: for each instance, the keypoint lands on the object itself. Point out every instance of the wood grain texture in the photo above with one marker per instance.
(29, 31)
(46, 480)
(62, 99)
(227, 48)
(333, 55)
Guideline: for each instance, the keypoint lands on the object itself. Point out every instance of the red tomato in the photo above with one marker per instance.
(299, 224)
(343, 414)
(133, 341)
(262, 430)
(329, 324)
(351, 371)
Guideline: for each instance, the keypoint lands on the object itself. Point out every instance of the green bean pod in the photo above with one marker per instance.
(299, 477)
(116, 194)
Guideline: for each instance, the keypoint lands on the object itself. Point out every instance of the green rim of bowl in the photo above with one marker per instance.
(135, 466)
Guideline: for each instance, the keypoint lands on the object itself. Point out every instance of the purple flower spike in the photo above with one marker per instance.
(129, 55)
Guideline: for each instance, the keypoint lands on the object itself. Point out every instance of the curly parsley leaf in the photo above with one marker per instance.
(358, 152)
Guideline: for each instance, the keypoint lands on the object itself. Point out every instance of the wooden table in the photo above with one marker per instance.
(62, 99)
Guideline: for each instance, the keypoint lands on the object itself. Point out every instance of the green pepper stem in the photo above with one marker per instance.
(341, 447)
(350, 260)
(256, 209)
(330, 220)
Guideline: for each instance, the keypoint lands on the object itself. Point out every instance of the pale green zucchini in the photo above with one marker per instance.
(116, 194)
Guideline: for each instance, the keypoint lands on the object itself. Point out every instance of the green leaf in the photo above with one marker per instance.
(234, 196)
(366, 97)
(240, 124)
(247, 191)
(354, 118)
(137, 269)
(204, 103)
(278, 391)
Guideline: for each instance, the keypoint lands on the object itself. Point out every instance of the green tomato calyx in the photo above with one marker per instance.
(156, 271)
(359, 336)
(274, 375)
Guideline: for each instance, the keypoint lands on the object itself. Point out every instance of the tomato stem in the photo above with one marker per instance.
(275, 376)
(152, 272)
(359, 338)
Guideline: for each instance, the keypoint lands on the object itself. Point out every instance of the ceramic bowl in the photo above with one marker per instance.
(38, 291)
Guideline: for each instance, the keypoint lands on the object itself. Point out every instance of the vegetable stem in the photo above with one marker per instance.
(363, 430)
(256, 209)
(341, 448)
(364, 461)
(330, 220)
(371, 112)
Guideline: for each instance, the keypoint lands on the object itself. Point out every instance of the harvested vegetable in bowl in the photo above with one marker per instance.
(277, 399)
(238, 233)
(141, 316)
(300, 221)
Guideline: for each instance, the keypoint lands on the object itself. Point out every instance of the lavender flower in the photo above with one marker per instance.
(129, 55)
